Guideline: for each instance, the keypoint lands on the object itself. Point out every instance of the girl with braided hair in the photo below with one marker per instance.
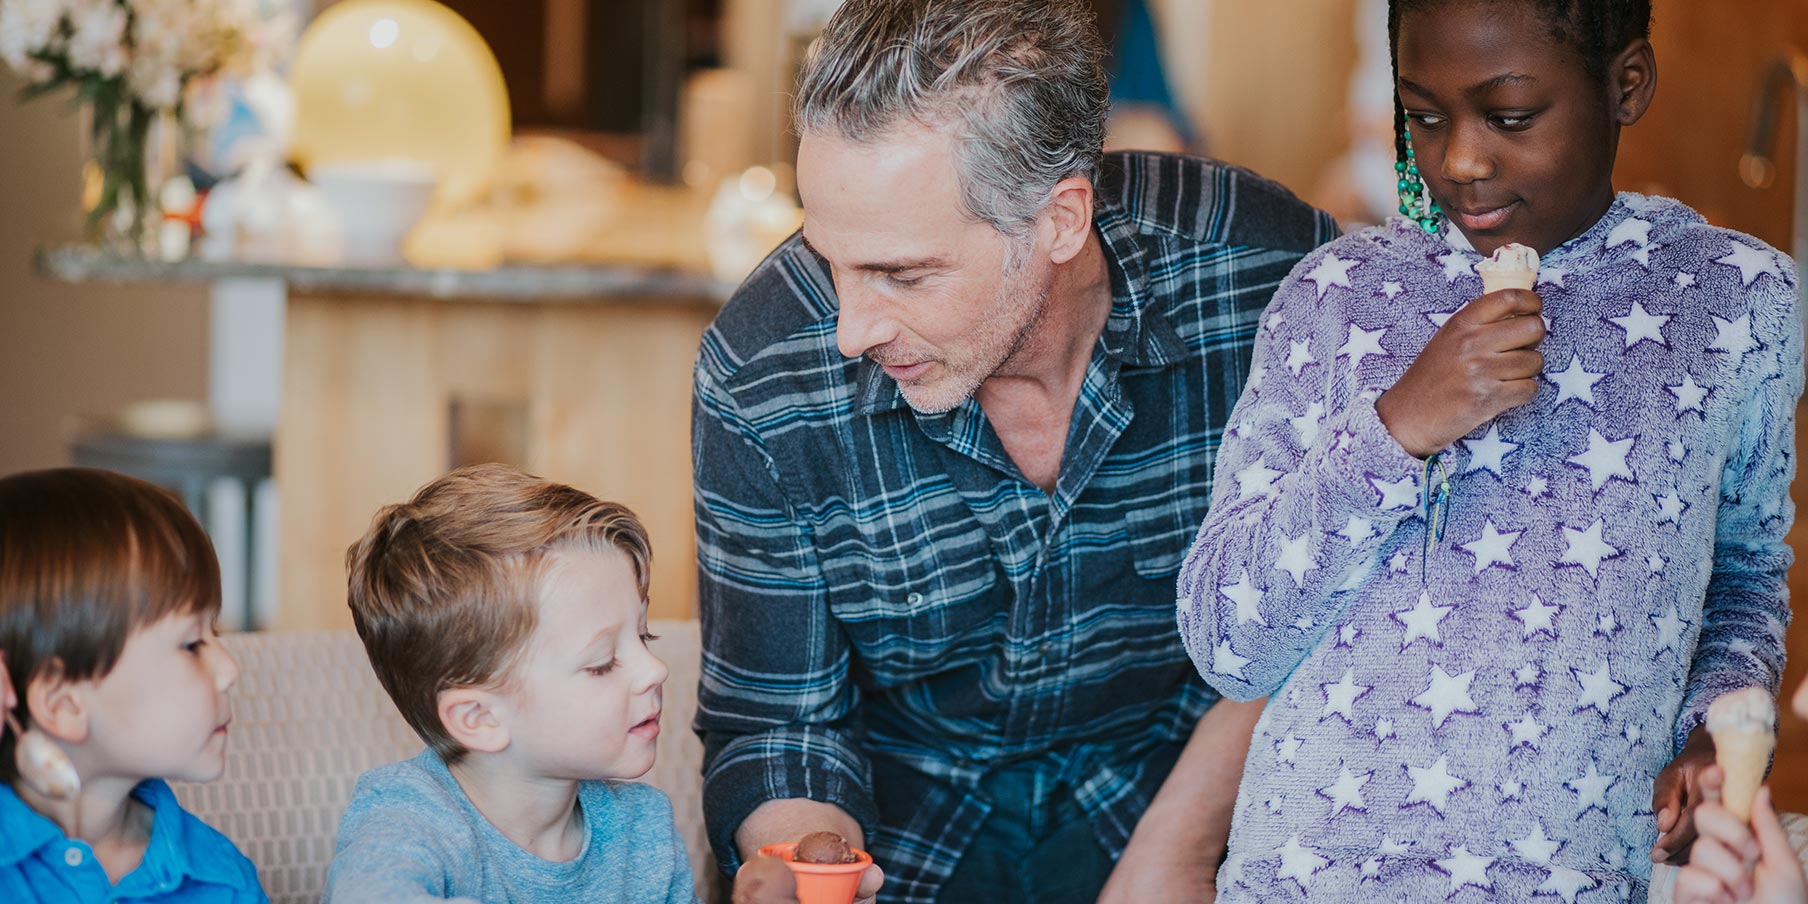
(1491, 554)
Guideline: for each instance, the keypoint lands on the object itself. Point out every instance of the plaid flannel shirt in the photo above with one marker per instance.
(890, 608)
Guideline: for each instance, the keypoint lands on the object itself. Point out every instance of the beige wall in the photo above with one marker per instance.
(1275, 76)
(67, 350)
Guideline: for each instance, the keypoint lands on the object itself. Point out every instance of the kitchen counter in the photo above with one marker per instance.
(392, 375)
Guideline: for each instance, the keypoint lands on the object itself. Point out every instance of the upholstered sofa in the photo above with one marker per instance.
(309, 717)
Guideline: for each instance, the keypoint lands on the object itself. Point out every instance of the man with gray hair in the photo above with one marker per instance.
(950, 443)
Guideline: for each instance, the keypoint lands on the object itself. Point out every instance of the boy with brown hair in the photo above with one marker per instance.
(506, 617)
(115, 685)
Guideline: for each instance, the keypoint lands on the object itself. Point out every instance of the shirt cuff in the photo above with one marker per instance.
(1381, 478)
(810, 763)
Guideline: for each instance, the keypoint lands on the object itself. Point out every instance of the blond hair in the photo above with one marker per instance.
(442, 587)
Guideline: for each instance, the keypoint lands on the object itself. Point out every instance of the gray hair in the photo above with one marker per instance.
(1022, 82)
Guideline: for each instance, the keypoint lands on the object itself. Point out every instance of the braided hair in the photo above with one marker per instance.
(1597, 29)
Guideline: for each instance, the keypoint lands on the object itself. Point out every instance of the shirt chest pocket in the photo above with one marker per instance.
(1160, 536)
(932, 592)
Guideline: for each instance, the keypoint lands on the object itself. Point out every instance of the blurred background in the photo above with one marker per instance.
(346, 245)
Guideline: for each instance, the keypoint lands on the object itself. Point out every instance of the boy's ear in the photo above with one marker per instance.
(474, 718)
(1633, 81)
(58, 706)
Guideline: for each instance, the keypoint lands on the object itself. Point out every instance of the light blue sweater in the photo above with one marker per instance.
(410, 834)
(1484, 722)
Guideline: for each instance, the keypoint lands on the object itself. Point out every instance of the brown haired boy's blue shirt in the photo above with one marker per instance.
(186, 861)
(890, 608)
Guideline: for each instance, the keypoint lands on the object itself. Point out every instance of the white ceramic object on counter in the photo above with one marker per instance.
(376, 203)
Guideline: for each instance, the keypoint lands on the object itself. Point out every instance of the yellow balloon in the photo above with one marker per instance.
(401, 79)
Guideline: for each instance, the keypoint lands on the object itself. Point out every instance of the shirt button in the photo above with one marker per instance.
(73, 856)
(1048, 650)
(915, 599)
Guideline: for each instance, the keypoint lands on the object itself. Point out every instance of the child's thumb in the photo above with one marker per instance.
(1773, 842)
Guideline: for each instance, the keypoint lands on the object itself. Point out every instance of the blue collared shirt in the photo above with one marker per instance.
(890, 608)
(185, 861)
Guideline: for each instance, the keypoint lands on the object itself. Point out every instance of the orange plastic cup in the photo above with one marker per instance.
(822, 883)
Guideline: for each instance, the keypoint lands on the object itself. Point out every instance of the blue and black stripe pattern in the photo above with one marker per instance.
(889, 608)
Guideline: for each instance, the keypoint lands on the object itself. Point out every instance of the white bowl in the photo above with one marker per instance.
(376, 202)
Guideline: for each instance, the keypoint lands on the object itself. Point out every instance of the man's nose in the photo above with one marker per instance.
(862, 325)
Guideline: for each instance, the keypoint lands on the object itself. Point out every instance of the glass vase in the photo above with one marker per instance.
(129, 152)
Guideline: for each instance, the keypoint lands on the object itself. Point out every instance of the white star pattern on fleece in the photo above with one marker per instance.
(1537, 847)
(1598, 689)
(1433, 785)
(1538, 616)
(1526, 731)
(1466, 869)
(1605, 459)
(1566, 883)
(1642, 327)
(1575, 382)
(1421, 621)
(1750, 262)
(1586, 548)
(1446, 694)
(1494, 547)
(1300, 863)
(1733, 337)
(1669, 629)
(1361, 344)
(1341, 696)
(1299, 355)
(1225, 660)
(1493, 698)
(1346, 792)
(1689, 396)
(1488, 453)
(1247, 598)
(1331, 272)
(1591, 789)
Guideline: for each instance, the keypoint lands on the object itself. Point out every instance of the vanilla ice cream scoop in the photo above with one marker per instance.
(1744, 726)
(1750, 709)
(1513, 266)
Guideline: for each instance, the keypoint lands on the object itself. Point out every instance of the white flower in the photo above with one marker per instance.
(97, 43)
(27, 28)
(156, 83)
(215, 35)
(158, 27)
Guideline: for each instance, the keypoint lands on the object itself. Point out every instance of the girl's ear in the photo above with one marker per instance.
(1632, 81)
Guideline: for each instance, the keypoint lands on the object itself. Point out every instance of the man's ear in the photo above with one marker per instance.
(1633, 81)
(474, 718)
(59, 707)
(1069, 218)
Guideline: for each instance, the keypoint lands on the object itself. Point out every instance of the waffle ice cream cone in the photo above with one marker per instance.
(1512, 267)
(1744, 726)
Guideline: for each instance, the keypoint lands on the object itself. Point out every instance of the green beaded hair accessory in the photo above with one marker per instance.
(1415, 202)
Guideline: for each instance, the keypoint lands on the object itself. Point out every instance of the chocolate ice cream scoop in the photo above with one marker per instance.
(823, 847)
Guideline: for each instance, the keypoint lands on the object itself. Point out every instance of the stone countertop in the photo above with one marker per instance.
(575, 283)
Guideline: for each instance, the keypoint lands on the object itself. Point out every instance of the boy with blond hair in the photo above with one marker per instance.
(506, 617)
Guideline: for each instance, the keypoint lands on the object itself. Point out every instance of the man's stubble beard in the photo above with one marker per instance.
(1029, 306)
